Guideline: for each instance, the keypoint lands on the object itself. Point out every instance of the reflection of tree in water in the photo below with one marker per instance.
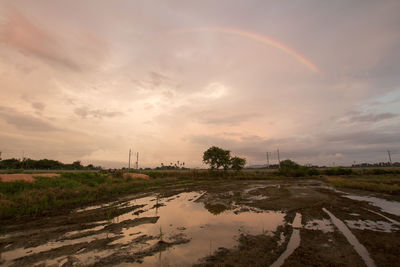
(215, 208)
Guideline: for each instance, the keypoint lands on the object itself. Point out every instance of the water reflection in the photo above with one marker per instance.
(184, 228)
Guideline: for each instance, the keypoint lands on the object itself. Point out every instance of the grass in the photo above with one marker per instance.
(72, 189)
(21, 198)
(389, 184)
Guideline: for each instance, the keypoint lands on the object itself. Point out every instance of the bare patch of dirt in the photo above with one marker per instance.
(29, 177)
(136, 175)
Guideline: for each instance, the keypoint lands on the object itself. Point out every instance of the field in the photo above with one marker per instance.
(181, 218)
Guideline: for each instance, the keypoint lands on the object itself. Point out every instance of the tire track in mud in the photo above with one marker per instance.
(383, 216)
(293, 244)
(359, 248)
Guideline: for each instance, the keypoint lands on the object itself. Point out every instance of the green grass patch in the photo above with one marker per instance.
(21, 198)
(383, 183)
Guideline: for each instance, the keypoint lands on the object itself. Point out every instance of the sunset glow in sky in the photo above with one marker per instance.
(87, 80)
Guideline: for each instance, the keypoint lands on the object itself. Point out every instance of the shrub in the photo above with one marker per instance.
(118, 174)
(338, 171)
(313, 171)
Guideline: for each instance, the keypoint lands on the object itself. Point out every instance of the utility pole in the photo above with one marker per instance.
(268, 160)
(390, 158)
(0, 155)
(279, 159)
(23, 159)
(137, 161)
(129, 161)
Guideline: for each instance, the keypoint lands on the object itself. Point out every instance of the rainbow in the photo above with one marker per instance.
(260, 38)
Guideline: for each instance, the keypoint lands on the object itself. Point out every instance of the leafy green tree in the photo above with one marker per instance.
(217, 157)
(289, 165)
(292, 169)
(238, 163)
(77, 165)
(10, 164)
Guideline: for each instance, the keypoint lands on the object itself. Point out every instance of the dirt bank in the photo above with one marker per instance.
(25, 176)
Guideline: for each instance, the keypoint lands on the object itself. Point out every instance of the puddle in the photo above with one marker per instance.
(323, 225)
(360, 249)
(254, 187)
(383, 216)
(206, 231)
(94, 207)
(258, 197)
(9, 256)
(188, 225)
(294, 242)
(282, 239)
(94, 229)
(392, 207)
(297, 221)
(378, 226)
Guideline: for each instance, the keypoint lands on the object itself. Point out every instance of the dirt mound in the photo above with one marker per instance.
(29, 177)
(136, 175)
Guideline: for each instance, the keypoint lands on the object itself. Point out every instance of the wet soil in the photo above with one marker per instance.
(229, 223)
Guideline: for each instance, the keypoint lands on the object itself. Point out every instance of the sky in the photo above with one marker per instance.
(88, 80)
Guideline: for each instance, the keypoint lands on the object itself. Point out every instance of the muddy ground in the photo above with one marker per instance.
(230, 223)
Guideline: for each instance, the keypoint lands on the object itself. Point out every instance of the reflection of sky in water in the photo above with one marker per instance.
(379, 226)
(392, 207)
(179, 215)
(207, 232)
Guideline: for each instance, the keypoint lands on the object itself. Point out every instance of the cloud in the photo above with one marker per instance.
(25, 122)
(29, 37)
(156, 79)
(363, 138)
(320, 149)
(38, 106)
(123, 80)
(85, 112)
(373, 117)
(219, 118)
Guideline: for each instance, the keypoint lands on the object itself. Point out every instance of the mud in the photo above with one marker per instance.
(230, 223)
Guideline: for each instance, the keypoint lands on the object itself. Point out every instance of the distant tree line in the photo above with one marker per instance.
(43, 164)
(179, 165)
(292, 169)
(379, 164)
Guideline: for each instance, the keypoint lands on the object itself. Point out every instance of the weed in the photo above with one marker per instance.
(383, 184)
(21, 198)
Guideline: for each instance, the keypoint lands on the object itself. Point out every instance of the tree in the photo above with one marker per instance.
(238, 163)
(77, 165)
(292, 169)
(289, 165)
(217, 157)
